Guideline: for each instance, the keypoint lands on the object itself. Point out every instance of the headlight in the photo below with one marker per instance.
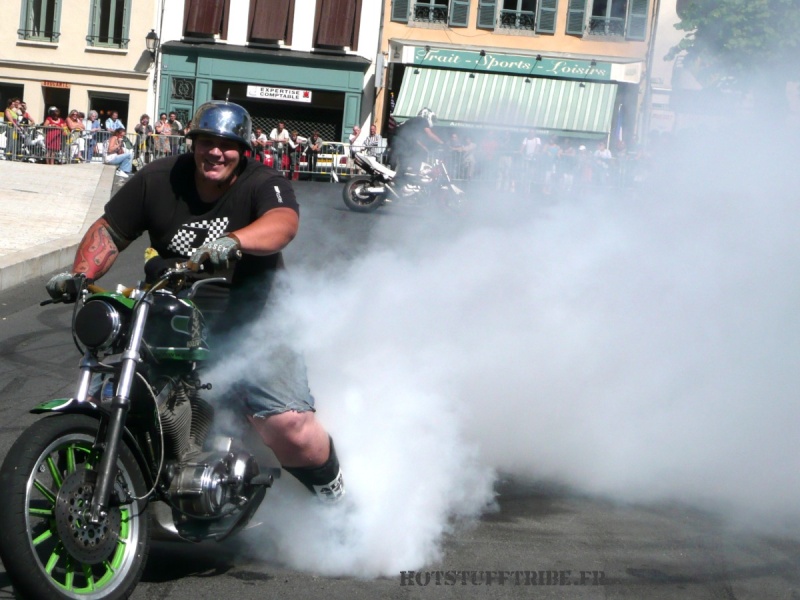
(97, 324)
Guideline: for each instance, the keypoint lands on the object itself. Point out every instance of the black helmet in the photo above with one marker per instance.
(222, 119)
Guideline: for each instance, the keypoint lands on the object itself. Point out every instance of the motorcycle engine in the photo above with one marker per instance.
(201, 482)
(203, 487)
(185, 420)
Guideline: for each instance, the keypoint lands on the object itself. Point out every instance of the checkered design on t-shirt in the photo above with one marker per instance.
(190, 236)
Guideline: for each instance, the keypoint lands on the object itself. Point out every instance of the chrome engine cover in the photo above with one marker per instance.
(203, 487)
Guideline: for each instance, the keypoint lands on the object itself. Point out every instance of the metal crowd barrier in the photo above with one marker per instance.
(148, 148)
(33, 143)
(509, 171)
(37, 143)
(512, 171)
(301, 163)
(57, 145)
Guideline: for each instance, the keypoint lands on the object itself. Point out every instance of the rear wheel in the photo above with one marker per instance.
(48, 546)
(357, 198)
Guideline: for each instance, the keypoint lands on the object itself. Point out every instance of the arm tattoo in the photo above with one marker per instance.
(97, 251)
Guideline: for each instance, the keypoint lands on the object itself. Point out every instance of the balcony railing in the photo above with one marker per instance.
(611, 26)
(106, 41)
(39, 35)
(517, 19)
(426, 13)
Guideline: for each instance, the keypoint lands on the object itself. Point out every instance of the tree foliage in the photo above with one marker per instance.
(731, 43)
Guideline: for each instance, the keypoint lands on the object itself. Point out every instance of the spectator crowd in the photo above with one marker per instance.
(532, 161)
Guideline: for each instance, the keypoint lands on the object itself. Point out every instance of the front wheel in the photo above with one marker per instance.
(48, 546)
(357, 197)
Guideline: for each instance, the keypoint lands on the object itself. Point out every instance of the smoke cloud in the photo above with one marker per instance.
(639, 347)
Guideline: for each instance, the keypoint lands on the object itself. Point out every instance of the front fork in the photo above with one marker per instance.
(106, 470)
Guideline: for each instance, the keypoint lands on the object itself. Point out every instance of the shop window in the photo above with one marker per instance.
(336, 24)
(518, 15)
(271, 21)
(109, 24)
(608, 18)
(206, 18)
(40, 20)
(454, 13)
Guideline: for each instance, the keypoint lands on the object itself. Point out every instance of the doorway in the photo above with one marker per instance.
(57, 97)
(106, 103)
(8, 91)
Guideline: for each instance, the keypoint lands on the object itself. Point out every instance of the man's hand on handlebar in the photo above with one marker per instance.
(64, 287)
(219, 252)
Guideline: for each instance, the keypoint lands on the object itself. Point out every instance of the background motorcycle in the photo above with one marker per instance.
(365, 193)
(86, 487)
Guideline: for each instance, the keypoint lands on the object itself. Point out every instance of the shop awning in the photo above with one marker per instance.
(492, 100)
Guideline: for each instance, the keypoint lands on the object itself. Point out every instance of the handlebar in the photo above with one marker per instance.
(159, 273)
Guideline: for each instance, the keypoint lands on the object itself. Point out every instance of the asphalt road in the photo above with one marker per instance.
(542, 541)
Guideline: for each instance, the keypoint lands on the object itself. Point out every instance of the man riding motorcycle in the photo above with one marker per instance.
(210, 206)
(412, 143)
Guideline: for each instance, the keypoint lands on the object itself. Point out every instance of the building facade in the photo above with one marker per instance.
(78, 54)
(572, 68)
(308, 63)
(661, 117)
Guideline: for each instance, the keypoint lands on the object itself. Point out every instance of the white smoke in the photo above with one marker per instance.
(640, 347)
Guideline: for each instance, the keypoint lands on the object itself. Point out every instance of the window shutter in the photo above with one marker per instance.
(25, 19)
(546, 16)
(400, 11)
(57, 16)
(270, 19)
(486, 14)
(576, 15)
(204, 17)
(459, 13)
(637, 20)
(94, 22)
(126, 22)
(335, 24)
(356, 26)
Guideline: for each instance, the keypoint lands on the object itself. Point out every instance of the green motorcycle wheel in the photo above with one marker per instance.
(48, 546)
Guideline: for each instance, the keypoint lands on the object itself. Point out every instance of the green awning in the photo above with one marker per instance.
(489, 99)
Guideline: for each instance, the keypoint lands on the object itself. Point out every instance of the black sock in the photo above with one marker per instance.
(325, 480)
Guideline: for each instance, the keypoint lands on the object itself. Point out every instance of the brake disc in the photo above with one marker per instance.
(85, 541)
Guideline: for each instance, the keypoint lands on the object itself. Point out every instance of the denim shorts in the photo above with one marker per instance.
(275, 386)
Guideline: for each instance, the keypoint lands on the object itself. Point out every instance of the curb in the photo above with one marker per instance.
(57, 254)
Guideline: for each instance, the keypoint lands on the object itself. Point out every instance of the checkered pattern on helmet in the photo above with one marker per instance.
(190, 236)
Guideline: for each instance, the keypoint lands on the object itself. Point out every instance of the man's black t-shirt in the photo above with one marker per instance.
(413, 130)
(406, 142)
(162, 200)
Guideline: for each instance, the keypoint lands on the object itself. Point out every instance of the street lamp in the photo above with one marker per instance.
(151, 41)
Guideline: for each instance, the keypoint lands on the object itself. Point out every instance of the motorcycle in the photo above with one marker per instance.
(88, 486)
(432, 185)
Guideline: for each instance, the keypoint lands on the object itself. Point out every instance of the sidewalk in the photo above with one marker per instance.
(44, 212)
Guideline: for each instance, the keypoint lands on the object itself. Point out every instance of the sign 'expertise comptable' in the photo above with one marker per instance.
(275, 93)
